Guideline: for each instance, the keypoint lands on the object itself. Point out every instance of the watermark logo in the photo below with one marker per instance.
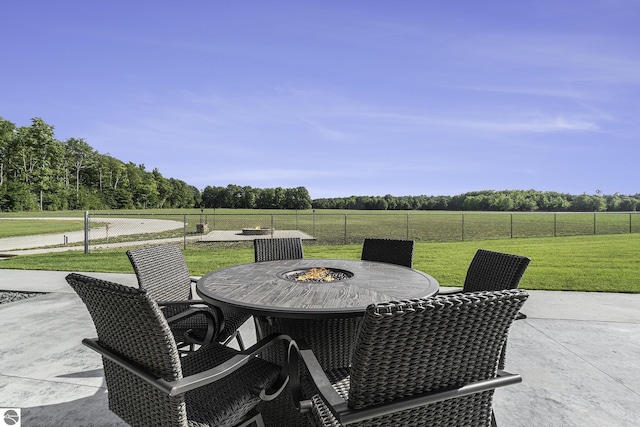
(10, 417)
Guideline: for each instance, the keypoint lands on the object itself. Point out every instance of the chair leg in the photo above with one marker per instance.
(236, 335)
(493, 420)
(256, 421)
(240, 340)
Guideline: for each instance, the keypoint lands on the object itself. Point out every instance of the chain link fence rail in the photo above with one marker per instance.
(346, 228)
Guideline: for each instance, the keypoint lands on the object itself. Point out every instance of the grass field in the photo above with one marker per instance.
(343, 227)
(23, 227)
(600, 263)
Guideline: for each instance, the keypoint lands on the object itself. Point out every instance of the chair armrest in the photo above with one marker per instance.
(183, 385)
(194, 281)
(183, 302)
(450, 291)
(502, 379)
(299, 349)
(347, 415)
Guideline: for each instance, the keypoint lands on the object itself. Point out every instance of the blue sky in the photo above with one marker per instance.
(342, 97)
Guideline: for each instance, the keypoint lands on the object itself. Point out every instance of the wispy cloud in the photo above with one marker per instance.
(532, 91)
(557, 124)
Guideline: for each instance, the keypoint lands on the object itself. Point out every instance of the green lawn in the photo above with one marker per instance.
(605, 263)
(25, 227)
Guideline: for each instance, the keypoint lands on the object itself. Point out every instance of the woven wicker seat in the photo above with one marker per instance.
(149, 384)
(277, 249)
(162, 271)
(398, 252)
(424, 362)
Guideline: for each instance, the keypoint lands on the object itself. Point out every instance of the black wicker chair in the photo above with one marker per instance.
(494, 271)
(429, 361)
(392, 251)
(278, 248)
(162, 271)
(149, 384)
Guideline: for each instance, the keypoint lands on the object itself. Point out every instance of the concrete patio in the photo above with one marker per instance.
(577, 353)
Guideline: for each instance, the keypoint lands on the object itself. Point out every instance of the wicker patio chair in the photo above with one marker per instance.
(398, 252)
(149, 384)
(422, 362)
(162, 271)
(277, 249)
(493, 271)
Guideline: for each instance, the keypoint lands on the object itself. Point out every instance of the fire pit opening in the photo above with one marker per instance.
(317, 274)
(257, 231)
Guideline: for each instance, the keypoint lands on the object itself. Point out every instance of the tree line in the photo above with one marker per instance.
(490, 200)
(38, 172)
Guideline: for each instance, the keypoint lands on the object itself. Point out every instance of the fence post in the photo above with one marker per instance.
(86, 232)
(272, 226)
(594, 223)
(512, 225)
(407, 225)
(184, 244)
(345, 229)
(630, 223)
(555, 224)
(463, 226)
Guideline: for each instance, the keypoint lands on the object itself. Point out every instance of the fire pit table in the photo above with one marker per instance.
(287, 296)
(271, 288)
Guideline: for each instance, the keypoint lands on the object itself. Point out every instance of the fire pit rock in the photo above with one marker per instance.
(257, 231)
(317, 274)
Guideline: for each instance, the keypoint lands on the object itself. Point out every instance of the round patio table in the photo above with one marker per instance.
(325, 314)
(263, 289)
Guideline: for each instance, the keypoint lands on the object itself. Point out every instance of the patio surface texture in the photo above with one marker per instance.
(577, 352)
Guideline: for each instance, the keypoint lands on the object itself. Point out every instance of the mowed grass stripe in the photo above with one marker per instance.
(602, 263)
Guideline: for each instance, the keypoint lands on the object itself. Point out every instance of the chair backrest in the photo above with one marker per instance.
(130, 323)
(411, 347)
(392, 251)
(278, 248)
(162, 271)
(493, 271)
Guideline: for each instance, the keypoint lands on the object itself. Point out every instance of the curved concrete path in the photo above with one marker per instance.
(116, 227)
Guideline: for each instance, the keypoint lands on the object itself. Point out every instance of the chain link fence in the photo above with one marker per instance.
(346, 228)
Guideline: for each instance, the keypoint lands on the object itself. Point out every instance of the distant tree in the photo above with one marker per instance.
(587, 203)
(77, 152)
(266, 199)
(629, 204)
(249, 196)
(18, 197)
(163, 187)
(7, 134)
(297, 198)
